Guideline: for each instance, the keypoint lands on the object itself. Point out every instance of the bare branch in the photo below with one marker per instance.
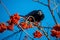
(49, 3)
(26, 37)
(51, 12)
(40, 28)
(20, 35)
(49, 9)
(40, 2)
(11, 35)
(58, 14)
(26, 32)
(5, 8)
(47, 27)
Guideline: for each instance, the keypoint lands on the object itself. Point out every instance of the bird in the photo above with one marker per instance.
(37, 14)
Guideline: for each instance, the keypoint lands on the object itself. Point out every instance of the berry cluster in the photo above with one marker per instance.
(13, 20)
(37, 34)
(25, 25)
(56, 31)
(2, 27)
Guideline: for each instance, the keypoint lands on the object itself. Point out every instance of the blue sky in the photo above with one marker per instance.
(23, 7)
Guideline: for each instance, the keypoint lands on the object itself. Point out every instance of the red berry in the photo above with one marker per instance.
(24, 25)
(3, 27)
(10, 27)
(37, 34)
(57, 27)
(14, 19)
(53, 32)
(58, 34)
(29, 26)
(56, 31)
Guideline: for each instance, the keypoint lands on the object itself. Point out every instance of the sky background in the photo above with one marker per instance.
(23, 7)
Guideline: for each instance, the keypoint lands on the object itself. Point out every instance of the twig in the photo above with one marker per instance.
(58, 14)
(47, 27)
(49, 3)
(5, 8)
(26, 32)
(51, 12)
(20, 35)
(49, 9)
(56, 5)
(40, 2)
(26, 37)
(11, 35)
(40, 28)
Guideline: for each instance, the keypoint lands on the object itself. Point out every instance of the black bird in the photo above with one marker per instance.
(37, 14)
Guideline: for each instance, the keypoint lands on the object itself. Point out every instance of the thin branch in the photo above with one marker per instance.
(49, 9)
(40, 28)
(47, 27)
(11, 35)
(54, 5)
(49, 3)
(26, 37)
(5, 8)
(26, 32)
(51, 12)
(40, 2)
(20, 35)
(58, 14)
(43, 4)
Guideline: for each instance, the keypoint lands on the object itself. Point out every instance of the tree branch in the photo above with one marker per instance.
(5, 8)
(51, 12)
(26, 32)
(40, 28)
(11, 35)
(49, 9)
(40, 2)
